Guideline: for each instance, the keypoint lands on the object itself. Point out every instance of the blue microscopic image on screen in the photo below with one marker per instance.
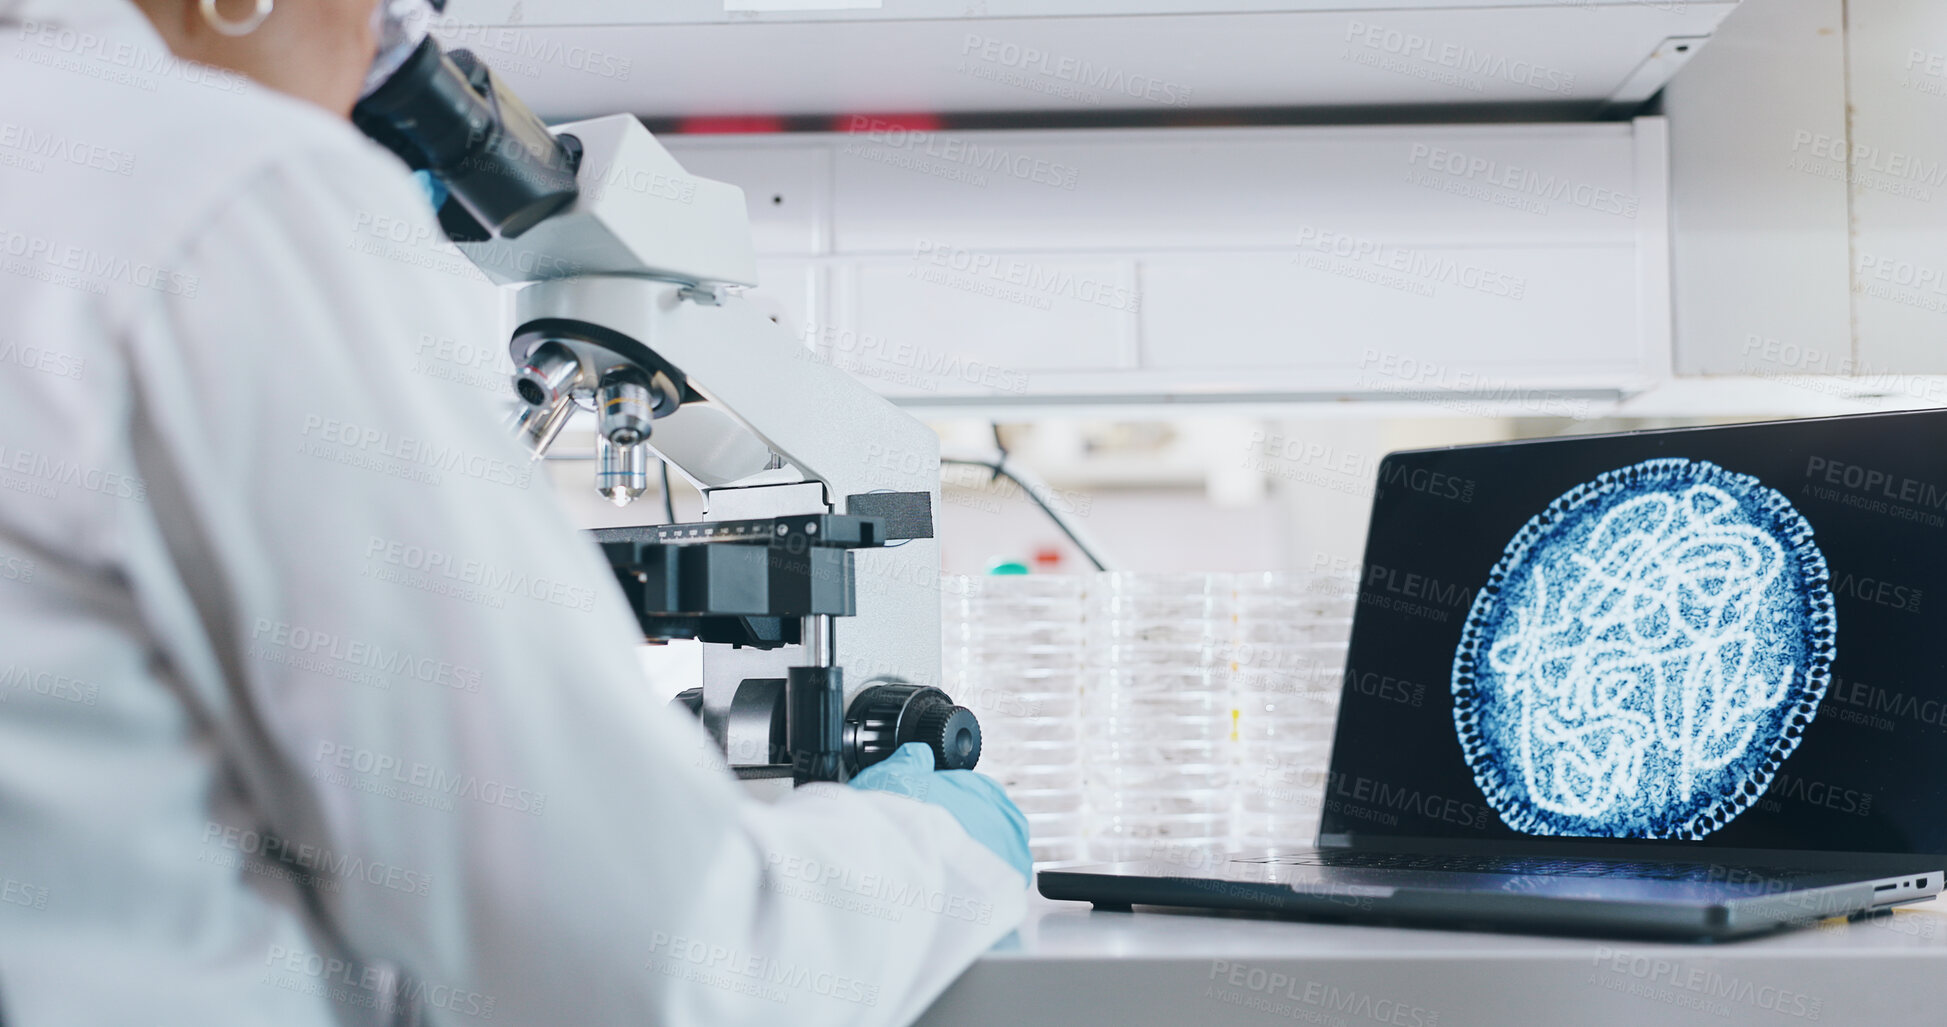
(1645, 655)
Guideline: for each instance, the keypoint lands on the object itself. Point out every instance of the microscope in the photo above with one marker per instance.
(816, 559)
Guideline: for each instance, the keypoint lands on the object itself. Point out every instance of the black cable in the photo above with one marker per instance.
(669, 501)
(1000, 470)
(1001, 448)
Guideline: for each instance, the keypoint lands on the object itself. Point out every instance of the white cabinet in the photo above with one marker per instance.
(1006, 268)
(1235, 188)
(677, 12)
(1422, 317)
(1036, 321)
(828, 58)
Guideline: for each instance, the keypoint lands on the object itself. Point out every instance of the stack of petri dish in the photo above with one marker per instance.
(1157, 717)
(1013, 654)
(1286, 653)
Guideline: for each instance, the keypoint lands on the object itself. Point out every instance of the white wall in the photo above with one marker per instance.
(1289, 495)
(1808, 147)
(1897, 58)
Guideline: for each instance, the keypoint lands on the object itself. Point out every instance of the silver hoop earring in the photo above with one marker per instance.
(236, 28)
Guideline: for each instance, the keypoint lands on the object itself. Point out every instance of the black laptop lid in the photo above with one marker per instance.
(1698, 639)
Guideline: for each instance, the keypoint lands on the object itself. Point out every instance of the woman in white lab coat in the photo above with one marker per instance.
(313, 708)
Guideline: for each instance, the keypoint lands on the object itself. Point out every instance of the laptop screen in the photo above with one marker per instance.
(1727, 637)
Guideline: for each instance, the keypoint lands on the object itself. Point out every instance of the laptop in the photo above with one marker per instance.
(1680, 684)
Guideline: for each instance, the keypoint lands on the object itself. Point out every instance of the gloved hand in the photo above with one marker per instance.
(975, 800)
(434, 189)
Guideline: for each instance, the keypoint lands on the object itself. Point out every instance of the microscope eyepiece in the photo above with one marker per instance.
(449, 115)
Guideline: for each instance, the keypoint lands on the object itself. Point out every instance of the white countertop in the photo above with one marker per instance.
(1069, 964)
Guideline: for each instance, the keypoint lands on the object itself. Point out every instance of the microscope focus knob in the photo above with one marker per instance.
(954, 735)
(884, 717)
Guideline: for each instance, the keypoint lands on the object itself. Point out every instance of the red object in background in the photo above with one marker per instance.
(733, 125)
(858, 124)
(886, 123)
(1047, 559)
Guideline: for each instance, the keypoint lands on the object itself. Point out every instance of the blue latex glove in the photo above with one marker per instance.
(434, 189)
(975, 800)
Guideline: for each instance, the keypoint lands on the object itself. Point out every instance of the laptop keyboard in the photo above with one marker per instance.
(1640, 870)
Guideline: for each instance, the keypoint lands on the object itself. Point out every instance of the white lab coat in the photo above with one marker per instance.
(313, 707)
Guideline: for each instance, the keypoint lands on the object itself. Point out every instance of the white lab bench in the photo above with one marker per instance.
(1070, 964)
